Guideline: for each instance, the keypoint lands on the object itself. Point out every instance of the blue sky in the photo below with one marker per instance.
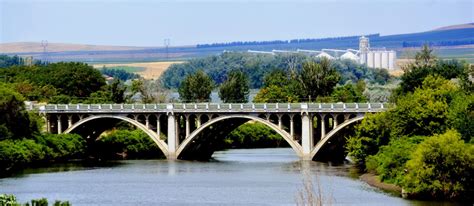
(186, 22)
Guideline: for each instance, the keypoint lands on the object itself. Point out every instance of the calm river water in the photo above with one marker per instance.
(236, 177)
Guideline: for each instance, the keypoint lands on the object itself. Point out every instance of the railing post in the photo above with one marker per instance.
(332, 107)
(253, 107)
(289, 106)
(357, 106)
(110, 106)
(230, 107)
(184, 106)
(369, 107)
(218, 106)
(276, 106)
(241, 107)
(133, 106)
(265, 106)
(344, 106)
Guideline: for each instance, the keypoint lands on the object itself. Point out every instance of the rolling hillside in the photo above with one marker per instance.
(459, 38)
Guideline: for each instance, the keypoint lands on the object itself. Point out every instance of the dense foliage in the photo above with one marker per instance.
(76, 80)
(253, 135)
(235, 88)
(14, 120)
(119, 74)
(257, 65)
(196, 88)
(315, 82)
(442, 166)
(424, 144)
(8, 61)
(10, 200)
(126, 144)
(40, 148)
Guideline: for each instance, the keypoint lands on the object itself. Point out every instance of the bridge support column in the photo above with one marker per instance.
(280, 123)
(158, 126)
(292, 127)
(69, 121)
(147, 121)
(306, 136)
(59, 125)
(198, 121)
(334, 121)
(172, 137)
(188, 127)
(48, 124)
(323, 126)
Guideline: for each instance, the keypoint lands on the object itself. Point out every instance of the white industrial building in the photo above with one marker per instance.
(374, 58)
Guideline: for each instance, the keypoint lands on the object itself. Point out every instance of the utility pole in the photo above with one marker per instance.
(44, 44)
(167, 44)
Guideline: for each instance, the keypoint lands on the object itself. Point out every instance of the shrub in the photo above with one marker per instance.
(441, 167)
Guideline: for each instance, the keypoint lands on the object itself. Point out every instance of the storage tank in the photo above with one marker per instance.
(324, 54)
(377, 59)
(392, 55)
(349, 55)
(384, 59)
(370, 59)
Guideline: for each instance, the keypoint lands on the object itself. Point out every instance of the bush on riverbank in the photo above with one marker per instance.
(424, 144)
(254, 135)
(126, 144)
(10, 200)
(442, 166)
(42, 148)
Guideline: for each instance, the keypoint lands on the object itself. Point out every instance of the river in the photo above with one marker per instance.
(235, 177)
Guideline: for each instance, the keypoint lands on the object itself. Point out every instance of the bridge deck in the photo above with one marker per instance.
(210, 107)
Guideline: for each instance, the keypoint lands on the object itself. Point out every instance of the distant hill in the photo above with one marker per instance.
(24, 47)
(449, 36)
(458, 26)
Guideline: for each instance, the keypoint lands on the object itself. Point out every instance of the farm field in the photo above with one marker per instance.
(148, 70)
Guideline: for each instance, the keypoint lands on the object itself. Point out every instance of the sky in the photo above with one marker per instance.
(189, 22)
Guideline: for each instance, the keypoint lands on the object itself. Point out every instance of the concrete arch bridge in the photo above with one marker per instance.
(189, 131)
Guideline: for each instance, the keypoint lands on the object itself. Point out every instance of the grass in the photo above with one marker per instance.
(148, 70)
(128, 68)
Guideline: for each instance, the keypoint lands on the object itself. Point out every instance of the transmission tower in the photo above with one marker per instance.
(44, 44)
(167, 44)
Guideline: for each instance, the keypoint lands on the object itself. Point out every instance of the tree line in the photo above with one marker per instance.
(257, 43)
(424, 144)
(255, 66)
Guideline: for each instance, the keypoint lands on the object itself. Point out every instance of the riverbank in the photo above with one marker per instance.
(374, 181)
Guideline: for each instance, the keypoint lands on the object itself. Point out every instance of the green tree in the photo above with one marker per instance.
(441, 167)
(235, 88)
(196, 88)
(14, 120)
(318, 79)
(117, 92)
(425, 56)
(349, 93)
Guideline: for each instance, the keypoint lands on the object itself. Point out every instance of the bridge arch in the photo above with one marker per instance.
(332, 133)
(296, 147)
(155, 137)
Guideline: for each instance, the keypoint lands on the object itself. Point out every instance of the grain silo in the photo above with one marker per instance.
(384, 61)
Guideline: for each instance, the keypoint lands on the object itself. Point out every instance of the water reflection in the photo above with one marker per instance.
(233, 177)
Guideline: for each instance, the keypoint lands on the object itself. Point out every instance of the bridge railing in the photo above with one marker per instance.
(214, 107)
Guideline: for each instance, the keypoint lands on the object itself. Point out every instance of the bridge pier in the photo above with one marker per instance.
(172, 137)
(306, 135)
